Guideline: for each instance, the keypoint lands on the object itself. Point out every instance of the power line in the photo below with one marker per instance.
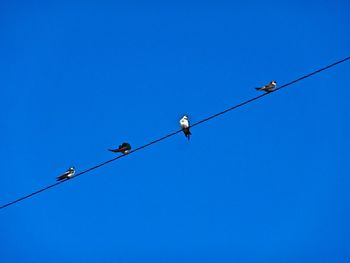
(176, 132)
(265, 94)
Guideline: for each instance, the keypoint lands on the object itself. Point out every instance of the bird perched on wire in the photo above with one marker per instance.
(269, 87)
(67, 174)
(124, 148)
(185, 126)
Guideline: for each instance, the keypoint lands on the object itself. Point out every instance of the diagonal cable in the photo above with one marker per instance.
(178, 131)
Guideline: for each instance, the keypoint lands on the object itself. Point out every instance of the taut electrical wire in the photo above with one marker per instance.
(176, 132)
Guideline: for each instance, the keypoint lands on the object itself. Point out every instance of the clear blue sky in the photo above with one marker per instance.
(268, 182)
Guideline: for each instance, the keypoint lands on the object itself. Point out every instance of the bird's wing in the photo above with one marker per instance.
(270, 86)
(186, 131)
(61, 177)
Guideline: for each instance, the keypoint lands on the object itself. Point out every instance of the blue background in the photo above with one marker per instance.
(268, 182)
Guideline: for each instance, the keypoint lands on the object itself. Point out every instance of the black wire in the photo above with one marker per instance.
(176, 132)
(265, 94)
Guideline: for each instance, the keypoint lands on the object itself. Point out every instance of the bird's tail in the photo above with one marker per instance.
(114, 150)
(60, 178)
(187, 133)
(258, 88)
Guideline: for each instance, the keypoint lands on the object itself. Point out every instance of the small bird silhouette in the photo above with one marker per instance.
(185, 126)
(124, 148)
(67, 174)
(269, 87)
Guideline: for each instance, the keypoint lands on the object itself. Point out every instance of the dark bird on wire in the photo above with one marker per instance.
(269, 87)
(185, 126)
(124, 148)
(67, 174)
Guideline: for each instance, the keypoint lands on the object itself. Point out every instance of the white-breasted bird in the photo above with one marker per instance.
(67, 174)
(269, 87)
(185, 126)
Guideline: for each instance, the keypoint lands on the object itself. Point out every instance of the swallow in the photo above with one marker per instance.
(124, 148)
(185, 126)
(67, 174)
(269, 87)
